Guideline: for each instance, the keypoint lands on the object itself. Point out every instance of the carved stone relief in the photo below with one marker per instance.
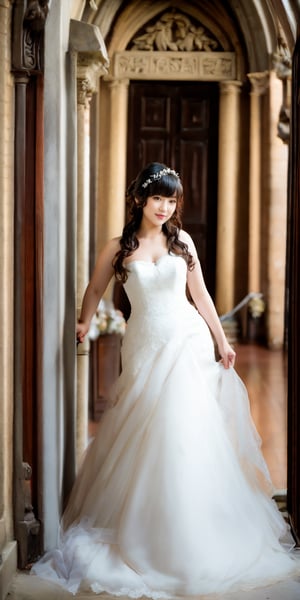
(282, 62)
(188, 66)
(174, 48)
(28, 35)
(175, 31)
(36, 14)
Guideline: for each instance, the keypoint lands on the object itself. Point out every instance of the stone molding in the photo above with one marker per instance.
(86, 38)
(92, 60)
(259, 82)
(172, 65)
(230, 87)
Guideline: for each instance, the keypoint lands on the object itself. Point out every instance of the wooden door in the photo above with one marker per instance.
(27, 68)
(293, 303)
(177, 124)
(28, 288)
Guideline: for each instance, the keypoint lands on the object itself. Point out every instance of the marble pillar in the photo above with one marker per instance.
(259, 84)
(113, 168)
(277, 220)
(229, 129)
(82, 262)
(89, 69)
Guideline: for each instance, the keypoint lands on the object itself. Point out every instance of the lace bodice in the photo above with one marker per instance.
(157, 287)
(160, 310)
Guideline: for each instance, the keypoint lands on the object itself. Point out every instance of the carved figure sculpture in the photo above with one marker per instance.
(36, 14)
(174, 31)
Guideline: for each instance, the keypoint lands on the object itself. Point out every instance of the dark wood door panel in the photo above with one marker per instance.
(155, 113)
(193, 170)
(153, 147)
(177, 124)
(194, 114)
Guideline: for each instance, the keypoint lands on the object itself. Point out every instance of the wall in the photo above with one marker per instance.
(59, 268)
(7, 546)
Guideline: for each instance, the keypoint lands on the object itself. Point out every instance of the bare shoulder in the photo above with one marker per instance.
(185, 237)
(112, 247)
(108, 252)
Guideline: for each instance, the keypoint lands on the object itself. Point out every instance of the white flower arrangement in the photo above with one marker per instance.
(106, 321)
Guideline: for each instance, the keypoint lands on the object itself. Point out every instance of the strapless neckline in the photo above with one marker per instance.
(153, 262)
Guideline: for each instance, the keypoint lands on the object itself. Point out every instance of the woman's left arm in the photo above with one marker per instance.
(205, 305)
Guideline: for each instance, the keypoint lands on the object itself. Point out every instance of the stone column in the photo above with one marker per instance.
(89, 69)
(277, 221)
(259, 83)
(113, 167)
(229, 128)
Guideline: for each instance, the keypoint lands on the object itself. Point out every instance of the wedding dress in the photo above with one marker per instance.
(173, 497)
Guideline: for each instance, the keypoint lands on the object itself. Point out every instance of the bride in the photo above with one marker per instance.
(173, 497)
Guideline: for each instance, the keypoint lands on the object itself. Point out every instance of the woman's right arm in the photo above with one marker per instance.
(100, 279)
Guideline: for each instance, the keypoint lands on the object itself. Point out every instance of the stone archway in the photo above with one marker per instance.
(252, 47)
(178, 59)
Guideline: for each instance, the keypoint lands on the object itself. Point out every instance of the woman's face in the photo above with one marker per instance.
(159, 209)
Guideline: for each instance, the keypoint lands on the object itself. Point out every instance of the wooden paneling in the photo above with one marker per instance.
(27, 57)
(29, 160)
(178, 125)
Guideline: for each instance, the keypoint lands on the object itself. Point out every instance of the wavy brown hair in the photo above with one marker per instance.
(168, 184)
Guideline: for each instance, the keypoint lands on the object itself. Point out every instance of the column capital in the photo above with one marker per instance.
(89, 69)
(259, 82)
(114, 82)
(230, 87)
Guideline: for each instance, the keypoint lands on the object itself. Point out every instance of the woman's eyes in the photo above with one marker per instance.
(170, 200)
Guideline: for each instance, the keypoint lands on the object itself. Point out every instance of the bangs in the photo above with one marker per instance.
(167, 186)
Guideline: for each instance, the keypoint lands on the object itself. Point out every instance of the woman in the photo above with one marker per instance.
(173, 497)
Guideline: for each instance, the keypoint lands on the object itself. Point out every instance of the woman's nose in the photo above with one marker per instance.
(164, 204)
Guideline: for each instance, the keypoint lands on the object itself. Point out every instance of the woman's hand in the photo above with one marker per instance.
(227, 355)
(81, 331)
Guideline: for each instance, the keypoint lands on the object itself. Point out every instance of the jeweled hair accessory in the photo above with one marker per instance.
(159, 175)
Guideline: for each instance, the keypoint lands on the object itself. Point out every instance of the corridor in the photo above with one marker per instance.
(264, 374)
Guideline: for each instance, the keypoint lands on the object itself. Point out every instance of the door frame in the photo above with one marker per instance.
(293, 303)
(28, 72)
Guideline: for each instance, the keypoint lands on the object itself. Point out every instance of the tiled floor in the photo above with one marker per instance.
(26, 587)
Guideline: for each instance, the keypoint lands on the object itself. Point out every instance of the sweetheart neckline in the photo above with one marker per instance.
(153, 262)
(149, 262)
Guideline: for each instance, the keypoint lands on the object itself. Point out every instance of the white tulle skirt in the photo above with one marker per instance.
(173, 497)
